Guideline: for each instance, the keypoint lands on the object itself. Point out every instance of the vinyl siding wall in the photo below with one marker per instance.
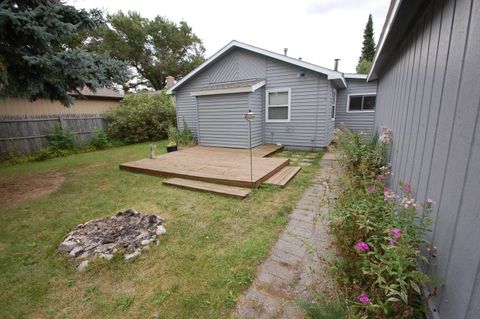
(356, 121)
(310, 111)
(429, 95)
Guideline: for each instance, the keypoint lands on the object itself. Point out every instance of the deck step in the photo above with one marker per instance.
(208, 187)
(283, 176)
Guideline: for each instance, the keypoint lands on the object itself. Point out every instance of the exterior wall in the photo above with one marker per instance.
(235, 66)
(46, 107)
(309, 107)
(356, 121)
(221, 120)
(429, 95)
(257, 105)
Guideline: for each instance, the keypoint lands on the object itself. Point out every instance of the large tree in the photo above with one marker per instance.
(154, 48)
(368, 48)
(41, 56)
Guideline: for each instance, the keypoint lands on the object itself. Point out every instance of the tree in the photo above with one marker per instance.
(41, 57)
(368, 48)
(154, 48)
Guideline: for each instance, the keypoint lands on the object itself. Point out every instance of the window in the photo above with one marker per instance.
(278, 105)
(334, 102)
(361, 103)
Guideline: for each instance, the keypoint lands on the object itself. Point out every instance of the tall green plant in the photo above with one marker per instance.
(142, 117)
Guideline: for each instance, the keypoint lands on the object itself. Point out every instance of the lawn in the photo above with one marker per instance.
(207, 258)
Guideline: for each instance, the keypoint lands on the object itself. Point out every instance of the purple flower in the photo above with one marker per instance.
(388, 194)
(362, 246)
(395, 232)
(371, 188)
(363, 298)
(408, 202)
(380, 178)
(407, 188)
(393, 242)
(429, 202)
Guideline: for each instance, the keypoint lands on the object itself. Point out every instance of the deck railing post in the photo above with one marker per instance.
(249, 116)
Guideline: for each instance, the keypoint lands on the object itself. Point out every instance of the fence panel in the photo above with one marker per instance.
(24, 135)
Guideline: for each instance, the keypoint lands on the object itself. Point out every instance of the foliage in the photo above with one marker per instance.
(142, 117)
(154, 48)
(181, 137)
(377, 232)
(368, 47)
(323, 309)
(36, 60)
(99, 139)
(61, 142)
(364, 66)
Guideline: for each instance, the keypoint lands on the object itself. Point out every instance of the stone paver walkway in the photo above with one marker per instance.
(295, 267)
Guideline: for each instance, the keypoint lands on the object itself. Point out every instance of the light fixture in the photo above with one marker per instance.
(250, 116)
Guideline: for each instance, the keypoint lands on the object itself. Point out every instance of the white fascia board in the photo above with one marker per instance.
(246, 89)
(331, 75)
(383, 36)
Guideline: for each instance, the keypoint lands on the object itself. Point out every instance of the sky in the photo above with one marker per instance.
(317, 31)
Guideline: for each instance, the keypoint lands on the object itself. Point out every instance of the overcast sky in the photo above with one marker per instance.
(318, 31)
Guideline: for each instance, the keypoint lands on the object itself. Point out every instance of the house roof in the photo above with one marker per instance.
(230, 87)
(102, 94)
(397, 23)
(332, 75)
(355, 76)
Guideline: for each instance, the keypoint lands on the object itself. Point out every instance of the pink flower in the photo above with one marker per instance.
(408, 202)
(388, 194)
(362, 246)
(393, 242)
(407, 188)
(429, 202)
(380, 178)
(395, 232)
(371, 188)
(363, 298)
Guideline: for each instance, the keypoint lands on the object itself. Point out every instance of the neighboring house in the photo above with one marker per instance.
(90, 103)
(294, 101)
(427, 67)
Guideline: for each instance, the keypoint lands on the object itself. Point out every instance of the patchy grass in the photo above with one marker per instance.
(208, 256)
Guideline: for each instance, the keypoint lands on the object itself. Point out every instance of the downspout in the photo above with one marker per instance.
(316, 114)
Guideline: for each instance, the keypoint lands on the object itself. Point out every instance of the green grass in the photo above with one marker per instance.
(207, 258)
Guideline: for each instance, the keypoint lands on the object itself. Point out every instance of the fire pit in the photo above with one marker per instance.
(129, 231)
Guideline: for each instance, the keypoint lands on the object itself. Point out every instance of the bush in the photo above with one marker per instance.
(61, 142)
(181, 137)
(377, 232)
(99, 140)
(142, 117)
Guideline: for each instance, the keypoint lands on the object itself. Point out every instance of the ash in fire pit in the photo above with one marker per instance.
(129, 230)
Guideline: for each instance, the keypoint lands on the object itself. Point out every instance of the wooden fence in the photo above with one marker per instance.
(23, 135)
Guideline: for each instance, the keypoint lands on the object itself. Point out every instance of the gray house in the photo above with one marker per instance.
(428, 66)
(295, 102)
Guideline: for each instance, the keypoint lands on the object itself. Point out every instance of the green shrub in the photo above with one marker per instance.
(61, 142)
(99, 140)
(377, 232)
(181, 137)
(142, 117)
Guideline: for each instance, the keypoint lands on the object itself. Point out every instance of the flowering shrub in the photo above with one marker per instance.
(377, 233)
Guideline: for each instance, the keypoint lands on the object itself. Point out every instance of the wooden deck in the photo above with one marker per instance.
(226, 190)
(219, 165)
(283, 176)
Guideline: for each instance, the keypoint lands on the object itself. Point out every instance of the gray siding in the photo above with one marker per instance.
(257, 103)
(309, 107)
(356, 121)
(234, 66)
(429, 95)
(221, 121)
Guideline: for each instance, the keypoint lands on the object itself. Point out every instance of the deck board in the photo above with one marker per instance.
(226, 166)
(283, 176)
(234, 191)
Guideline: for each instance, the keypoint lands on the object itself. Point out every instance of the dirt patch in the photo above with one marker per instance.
(15, 190)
